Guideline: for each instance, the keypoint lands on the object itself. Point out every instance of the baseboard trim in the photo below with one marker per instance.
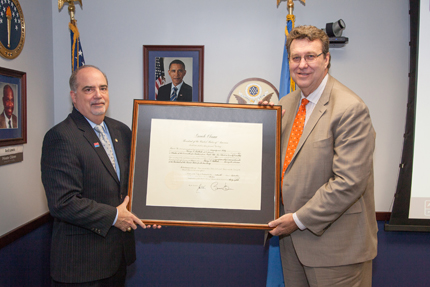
(24, 229)
(383, 216)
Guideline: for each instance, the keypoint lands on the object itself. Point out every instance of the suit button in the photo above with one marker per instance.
(121, 196)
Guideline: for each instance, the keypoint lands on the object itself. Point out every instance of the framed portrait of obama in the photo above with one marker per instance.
(173, 73)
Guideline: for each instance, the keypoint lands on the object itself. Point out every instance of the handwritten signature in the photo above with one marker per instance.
(214, 186)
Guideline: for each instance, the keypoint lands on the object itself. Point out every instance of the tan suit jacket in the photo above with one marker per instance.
(329, 183)
(3, 122)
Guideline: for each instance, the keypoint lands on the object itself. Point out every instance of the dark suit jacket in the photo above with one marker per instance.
(83, 191)
(329, 182)
(185, 94)
(3, 122)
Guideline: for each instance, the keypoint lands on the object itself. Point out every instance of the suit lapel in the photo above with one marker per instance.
(319, 110)
(90, 135)
(317, 113)
(290, 113)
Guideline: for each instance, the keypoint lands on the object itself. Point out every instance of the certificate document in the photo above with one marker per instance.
(205, 164)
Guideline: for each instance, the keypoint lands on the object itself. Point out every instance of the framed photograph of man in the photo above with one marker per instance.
(173, 73)
(13, 107)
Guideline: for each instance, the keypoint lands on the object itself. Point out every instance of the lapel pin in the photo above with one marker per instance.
(116, 140)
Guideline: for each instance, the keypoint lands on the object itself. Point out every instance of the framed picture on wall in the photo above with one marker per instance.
(13, 107)
(173, 73)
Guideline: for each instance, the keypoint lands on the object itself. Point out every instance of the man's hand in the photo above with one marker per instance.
(270, 104)
(127, 220)
(265, 103)
(284, 225)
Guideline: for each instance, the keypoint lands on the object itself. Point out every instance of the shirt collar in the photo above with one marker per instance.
(93, 124)
(178, 86)
(7, 119)
(316, 95)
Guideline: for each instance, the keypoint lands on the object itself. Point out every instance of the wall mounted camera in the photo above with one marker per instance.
(334, 32)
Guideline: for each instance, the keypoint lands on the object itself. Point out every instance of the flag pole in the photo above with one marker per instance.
(77, 53)
(274, 267)
(290, 16)
(291, 19)
(275, 276)
(290, 6)
(287, 84)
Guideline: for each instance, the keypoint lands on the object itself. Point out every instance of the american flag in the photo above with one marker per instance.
(77, 54)
(159, 74)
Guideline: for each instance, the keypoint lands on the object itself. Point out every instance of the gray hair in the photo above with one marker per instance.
(73, 81)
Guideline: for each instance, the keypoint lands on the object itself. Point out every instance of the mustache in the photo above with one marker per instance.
(98, 102)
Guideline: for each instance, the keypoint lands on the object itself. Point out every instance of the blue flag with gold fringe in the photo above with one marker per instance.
(287, 85)
(275, 276)
(77, 53)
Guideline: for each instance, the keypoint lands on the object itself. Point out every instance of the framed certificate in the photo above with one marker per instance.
(204, 164)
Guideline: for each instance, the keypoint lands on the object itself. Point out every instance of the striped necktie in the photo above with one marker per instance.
(106, 144)
(174, 95)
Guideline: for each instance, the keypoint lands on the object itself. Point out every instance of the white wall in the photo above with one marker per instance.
(374, 64)
(22, 197)
(242, 39)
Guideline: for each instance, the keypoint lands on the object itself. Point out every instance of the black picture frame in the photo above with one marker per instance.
(145, 111)
(192, 56)
(17, 80)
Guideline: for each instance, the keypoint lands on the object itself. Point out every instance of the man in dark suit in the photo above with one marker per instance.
(328, 228)
(85, 175)
(7, 119)
(177, 90)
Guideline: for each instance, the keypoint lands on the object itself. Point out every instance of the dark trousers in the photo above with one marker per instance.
(117, 280)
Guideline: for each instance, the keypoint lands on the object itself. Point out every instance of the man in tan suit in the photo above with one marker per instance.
(328, 229)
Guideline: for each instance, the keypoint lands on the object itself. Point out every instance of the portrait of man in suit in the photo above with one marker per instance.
(8, 120)
(327, 229)
(177, 90)
(85, 167)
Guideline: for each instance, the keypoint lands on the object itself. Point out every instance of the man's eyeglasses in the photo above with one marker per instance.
(308, 58)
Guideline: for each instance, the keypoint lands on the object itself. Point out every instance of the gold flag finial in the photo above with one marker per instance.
(290, 5)
(71, 7)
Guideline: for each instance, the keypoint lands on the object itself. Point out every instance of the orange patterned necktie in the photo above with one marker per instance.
(296, 133)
